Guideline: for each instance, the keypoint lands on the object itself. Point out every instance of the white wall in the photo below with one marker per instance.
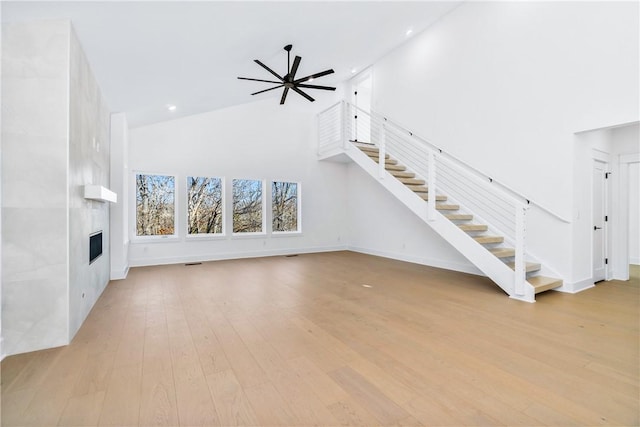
(261, 140)
(52, 111)
(88, 164)
(1, 335)
(505, 85)
(119, 230)
(380, 225)
(35, 108)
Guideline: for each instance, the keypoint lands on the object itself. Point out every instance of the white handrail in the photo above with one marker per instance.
(473, 169)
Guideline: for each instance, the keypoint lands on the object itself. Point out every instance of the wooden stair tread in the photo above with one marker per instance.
(473, 227)
(543, 283)
(417, 188)
(374, 154)
(459, 217)
(386, 161)
(402, 174)
(529, 267)
(390, 167)
(489, 239)
(443, 207)
(439, 197)
(503, 252)
(411, 181)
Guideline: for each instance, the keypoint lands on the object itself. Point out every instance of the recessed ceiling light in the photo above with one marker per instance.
(171, 107)
(310, 80)
(353, 71)
(409, 32)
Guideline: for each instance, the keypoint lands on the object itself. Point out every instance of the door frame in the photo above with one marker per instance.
(354, 81)
(622, 243)
(603, 157)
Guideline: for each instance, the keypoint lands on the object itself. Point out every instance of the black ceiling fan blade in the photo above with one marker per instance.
(284, 95)
(315, 87)
(294, 69)
(258, 80)
(303, 94)
(267, 90)
(257, 61)
(314, 76)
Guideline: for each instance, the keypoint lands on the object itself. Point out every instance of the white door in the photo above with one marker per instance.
(599, 202)
(361, 98)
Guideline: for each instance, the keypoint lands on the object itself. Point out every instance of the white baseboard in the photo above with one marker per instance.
(430, 262)
(119, 274)
(232, 255)
(634, 261)
(575, 287)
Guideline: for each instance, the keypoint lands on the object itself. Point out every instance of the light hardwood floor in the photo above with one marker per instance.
(299, 341)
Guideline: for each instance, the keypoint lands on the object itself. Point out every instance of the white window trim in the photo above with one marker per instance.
(251, 234)
(134, 238)
(297, 232)
(206, 236)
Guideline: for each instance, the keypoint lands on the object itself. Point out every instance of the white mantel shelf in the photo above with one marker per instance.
(99, 193)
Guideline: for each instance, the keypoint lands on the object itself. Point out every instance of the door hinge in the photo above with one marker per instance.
(606, 175)
(606, 260)
(606, 218)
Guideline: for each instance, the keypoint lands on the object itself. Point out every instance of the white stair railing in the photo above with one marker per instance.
(503, 212)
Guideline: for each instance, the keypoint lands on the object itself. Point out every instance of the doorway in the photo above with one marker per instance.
(600, 175)
(628, 246)
(361, 96)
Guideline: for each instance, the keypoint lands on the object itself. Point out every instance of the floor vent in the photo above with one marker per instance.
(289, 256)
(192, 263)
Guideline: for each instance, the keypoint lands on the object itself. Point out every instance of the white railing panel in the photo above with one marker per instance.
(330, 128)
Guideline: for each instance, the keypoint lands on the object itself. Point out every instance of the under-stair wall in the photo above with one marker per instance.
(403, 236)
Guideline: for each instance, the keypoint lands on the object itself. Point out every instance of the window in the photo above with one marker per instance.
(247, 206)
(155, 205)
(204, 199)
(284, 206)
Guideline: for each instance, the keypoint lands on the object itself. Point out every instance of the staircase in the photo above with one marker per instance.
(500, 256)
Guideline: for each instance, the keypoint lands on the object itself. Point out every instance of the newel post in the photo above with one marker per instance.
(520, 262)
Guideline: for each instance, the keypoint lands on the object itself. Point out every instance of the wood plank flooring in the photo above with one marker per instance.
(299, 341)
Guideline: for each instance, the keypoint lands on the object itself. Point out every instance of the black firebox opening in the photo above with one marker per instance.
(95, 246)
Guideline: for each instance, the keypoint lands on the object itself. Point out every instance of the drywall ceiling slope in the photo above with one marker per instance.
(148, 54)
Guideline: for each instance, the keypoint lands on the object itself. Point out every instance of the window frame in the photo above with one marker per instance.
(223, 194)
(250, 234)
(134, 237)
(298, 231)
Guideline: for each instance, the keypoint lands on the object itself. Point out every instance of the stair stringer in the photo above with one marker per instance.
(477, 254)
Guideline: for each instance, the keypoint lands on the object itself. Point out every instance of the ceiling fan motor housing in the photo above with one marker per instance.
(289, 81)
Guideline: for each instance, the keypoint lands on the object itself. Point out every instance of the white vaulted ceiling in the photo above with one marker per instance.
(148, 54)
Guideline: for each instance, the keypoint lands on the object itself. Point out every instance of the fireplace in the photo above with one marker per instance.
(95, 246)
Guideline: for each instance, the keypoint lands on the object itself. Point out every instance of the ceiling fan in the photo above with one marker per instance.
(289, 80)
